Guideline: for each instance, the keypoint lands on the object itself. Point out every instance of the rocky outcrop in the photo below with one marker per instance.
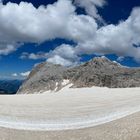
(105, 73)
(99, 71)
(43, 77)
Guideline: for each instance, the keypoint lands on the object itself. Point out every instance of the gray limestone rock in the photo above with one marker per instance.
(99, 71)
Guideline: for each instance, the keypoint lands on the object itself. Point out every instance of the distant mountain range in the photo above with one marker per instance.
(99, 71)
(9, 86)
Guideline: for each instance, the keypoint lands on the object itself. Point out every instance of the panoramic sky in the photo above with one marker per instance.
(67, 32)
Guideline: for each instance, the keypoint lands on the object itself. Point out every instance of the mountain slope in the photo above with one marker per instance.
(103, 72)
(99, 71)
(44, 77)
(9, 86)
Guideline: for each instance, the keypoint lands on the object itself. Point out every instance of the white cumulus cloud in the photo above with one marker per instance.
(6, 48)
(90, 6)
(23, 23)
(34, 56)
(120, 39)
(64, 55)
(25, 74)
(14, 74)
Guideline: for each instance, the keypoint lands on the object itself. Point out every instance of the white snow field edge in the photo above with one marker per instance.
(71, 125)
(68, 109)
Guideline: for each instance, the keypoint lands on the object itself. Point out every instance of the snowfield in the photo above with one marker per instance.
(67, 109)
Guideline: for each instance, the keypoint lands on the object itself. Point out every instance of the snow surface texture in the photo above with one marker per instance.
(68, 108)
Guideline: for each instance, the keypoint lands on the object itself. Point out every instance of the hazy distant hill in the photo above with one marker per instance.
(9, 86)
(99, 71)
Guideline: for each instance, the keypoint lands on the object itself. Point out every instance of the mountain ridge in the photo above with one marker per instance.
(9, 86)
(99, 71)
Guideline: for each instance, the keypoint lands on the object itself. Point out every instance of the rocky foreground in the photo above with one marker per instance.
(99, 71)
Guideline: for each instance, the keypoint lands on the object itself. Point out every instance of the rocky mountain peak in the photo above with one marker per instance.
(99, 71)
(102, 61)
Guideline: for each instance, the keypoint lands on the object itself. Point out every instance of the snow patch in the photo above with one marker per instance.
(65, 82)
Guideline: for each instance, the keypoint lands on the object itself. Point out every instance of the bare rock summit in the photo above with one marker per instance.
(99, 71)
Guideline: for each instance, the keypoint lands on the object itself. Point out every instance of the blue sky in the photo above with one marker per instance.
(27, 53)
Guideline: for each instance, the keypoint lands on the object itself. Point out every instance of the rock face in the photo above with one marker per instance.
(99, 71)
(43, 77)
